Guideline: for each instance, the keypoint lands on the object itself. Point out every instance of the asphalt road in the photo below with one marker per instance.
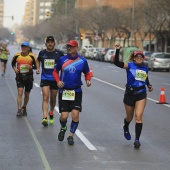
(99, 142)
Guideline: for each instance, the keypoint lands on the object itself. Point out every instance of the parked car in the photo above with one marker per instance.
(94, 53)
(63, 48)
(159, 60)
(147, 55)
(109, 54)
(101, 54)
(88, 53)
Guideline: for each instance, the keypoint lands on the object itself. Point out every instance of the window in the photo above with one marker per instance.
(41, 11)
(41, 17)
(47, 4)
(42, 4)
(47, 10)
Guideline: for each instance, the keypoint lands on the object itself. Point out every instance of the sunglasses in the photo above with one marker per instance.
(141, 56)
(69, 46)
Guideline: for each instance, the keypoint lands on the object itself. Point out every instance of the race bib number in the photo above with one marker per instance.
(23, 68)
(141, 75)
(68, 95)
(49, 63)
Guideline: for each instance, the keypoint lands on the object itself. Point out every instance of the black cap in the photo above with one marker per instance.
(50, 38)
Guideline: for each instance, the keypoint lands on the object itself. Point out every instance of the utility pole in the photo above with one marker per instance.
(66, 8)
(132, 23)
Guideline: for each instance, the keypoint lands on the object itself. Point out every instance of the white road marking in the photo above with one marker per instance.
(166, 84)
(124, 89)
(81, 136)
(35, 139)
(36, 85)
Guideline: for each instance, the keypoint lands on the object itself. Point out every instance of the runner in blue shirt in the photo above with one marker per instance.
(135, 93)
(71, 68)
(48, 58)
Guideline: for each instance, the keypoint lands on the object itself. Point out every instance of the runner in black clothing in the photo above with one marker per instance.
(48, 58)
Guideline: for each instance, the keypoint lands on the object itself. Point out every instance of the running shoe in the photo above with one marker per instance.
(45, 121)
(62, 133)
(137, 144)
(70, 140)
(19, 113)
(126, 133)
(51, 116)
(24, 111)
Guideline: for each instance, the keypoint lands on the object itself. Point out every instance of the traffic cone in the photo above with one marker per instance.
(162, 99)
(91, 72)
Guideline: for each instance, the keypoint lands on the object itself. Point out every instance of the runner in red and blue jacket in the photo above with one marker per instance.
(69, 82)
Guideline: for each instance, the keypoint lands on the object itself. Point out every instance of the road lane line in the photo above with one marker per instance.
(124, 89)
(81, 136)
(166, 84)
(40, 149)
(36, 85)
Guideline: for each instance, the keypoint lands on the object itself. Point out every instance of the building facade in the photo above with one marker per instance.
(84, 4)
(37, 11)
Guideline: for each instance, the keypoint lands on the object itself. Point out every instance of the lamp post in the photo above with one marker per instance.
(66, 8)
(132, 23)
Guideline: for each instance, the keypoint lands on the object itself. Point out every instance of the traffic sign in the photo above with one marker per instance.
(96, 38)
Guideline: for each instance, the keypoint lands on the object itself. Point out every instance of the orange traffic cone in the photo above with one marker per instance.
(91, 72)
(162, 99)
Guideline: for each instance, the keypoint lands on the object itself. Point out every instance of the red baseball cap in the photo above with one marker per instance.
(139, 53)
(73, 43)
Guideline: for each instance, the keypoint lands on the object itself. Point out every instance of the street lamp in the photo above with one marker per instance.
(66, 8)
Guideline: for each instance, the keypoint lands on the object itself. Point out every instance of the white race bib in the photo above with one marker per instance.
(49, 63)
(141, 75)
(23, 68)
(68, 95)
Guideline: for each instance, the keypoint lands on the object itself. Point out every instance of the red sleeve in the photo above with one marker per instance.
(87, 76)
(56, 75)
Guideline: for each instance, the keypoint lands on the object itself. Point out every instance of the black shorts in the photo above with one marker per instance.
(131, 99)
(27, 84)
(52, 84)
(4, 61)
(68, 106)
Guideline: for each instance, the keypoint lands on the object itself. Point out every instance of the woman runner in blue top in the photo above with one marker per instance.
(135, 93)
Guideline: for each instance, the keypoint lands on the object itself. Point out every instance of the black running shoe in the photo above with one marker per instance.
(126, 133)
(70, 140)
(62, 133)
(19, 113)
(24, 111)
(137, 144)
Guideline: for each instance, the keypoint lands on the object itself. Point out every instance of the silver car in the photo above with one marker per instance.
(159, 60)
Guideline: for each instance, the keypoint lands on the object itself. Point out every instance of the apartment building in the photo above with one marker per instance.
(85, 4)
(1, 12)
(37, 11)
(29, 13)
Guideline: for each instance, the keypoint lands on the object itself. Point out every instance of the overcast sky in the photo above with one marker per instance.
(13, 8)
